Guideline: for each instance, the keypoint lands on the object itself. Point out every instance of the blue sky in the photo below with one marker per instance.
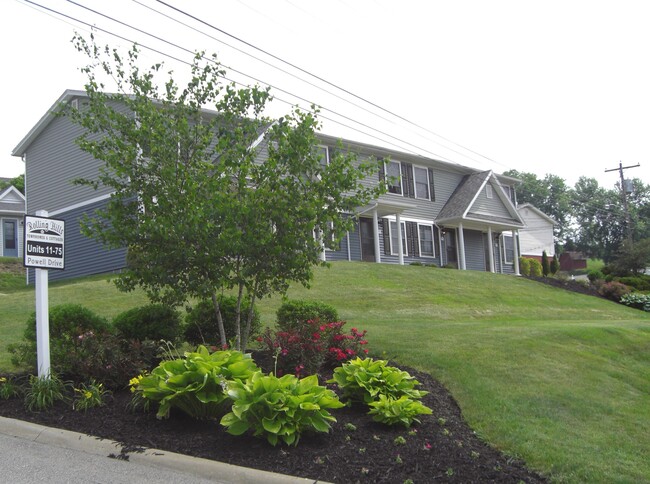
(559, 87)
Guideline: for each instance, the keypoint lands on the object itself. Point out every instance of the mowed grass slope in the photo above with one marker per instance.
(558, 379)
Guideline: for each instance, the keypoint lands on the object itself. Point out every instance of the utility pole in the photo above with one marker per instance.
(628, 221)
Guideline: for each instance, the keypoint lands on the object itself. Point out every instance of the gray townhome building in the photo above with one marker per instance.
(434, 212)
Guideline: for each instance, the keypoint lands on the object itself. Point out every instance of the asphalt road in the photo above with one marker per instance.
(31, 453)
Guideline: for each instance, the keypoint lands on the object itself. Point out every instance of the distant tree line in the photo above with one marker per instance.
(590, 218)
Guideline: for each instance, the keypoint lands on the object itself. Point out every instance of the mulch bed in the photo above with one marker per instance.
(442, 448)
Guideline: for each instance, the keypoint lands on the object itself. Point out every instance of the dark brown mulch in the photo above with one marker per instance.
(441, 448)
(569, 285)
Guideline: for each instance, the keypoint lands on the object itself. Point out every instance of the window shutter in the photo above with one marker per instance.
(382, 171)
(385, 228)
(412, 240)
(407, 180)
(432, 190)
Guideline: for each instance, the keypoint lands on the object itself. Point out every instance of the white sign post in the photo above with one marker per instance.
(44, 249)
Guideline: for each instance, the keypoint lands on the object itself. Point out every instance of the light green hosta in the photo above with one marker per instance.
(280, 408)
(400, 410)
(197, 383)
(365, 379)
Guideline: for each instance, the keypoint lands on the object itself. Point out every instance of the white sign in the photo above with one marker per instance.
(44, 243)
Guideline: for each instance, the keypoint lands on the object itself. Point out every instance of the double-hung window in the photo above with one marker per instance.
(408, 180)
(393, 238)
(393, 177)
(425, 235)
(421, 180)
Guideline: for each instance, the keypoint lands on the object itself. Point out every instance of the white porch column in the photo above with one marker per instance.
(515, 250)
(461, 248)
(375, 235)
(319, 234)
(400, 244)
(491, 249)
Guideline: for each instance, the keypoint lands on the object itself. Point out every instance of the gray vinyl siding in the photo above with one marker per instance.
(84, 256)
(493, 206)
(53, 162)
(342, 253)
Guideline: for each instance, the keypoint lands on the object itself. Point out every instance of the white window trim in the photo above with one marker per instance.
(393, 250)
(327, 154)
(399, 177)
(433, 241)
(488, 191)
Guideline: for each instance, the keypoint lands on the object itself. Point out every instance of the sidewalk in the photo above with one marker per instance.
(33, 453)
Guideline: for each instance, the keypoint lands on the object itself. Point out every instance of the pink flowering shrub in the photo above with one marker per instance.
(306, 349)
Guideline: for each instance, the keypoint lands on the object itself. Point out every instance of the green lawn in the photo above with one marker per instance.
(559, 379)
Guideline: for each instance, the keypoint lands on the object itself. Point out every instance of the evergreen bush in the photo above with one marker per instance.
(524, 266)
(546, 267)
(293, 315)
(152, 322)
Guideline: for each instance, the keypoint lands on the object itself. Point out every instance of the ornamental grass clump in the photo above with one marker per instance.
(388, 391)
(280, 408)
(195, 384)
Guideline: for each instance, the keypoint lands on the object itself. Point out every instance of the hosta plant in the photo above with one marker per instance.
(365, 379)
(195, 384)
(280, 408)
(392, 411)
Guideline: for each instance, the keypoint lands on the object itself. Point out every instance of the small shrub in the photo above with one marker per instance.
(305, 350)
(555, 265)
(293, 315)
(105, 357)
(636, 300)
(194, 384)
(640, 282)
(524, 266)
(613, 290)
(90, 395)
(365, 379)
(392, 411)
(152, 322)
(43, 392)
(280, 408)
(66, 323)
(201, 326)
(595, 275)
(535, 268)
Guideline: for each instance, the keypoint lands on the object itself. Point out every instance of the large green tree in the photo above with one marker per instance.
(599, 221)
(205, 202)
(551, 195)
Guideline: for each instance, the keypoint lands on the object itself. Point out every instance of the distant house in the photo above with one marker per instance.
(537, 236)
(12, 212)
(572, 261)
(435, 212)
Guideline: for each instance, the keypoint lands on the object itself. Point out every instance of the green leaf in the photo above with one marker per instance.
(270, 425)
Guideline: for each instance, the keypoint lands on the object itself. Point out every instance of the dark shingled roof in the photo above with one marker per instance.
(463, 196)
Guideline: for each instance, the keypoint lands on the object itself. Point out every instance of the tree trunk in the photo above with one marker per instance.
(222, 331)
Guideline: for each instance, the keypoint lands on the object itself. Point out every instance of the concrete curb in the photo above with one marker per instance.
(192, 466)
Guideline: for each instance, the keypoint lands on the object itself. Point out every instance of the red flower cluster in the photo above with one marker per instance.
(307, 349)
